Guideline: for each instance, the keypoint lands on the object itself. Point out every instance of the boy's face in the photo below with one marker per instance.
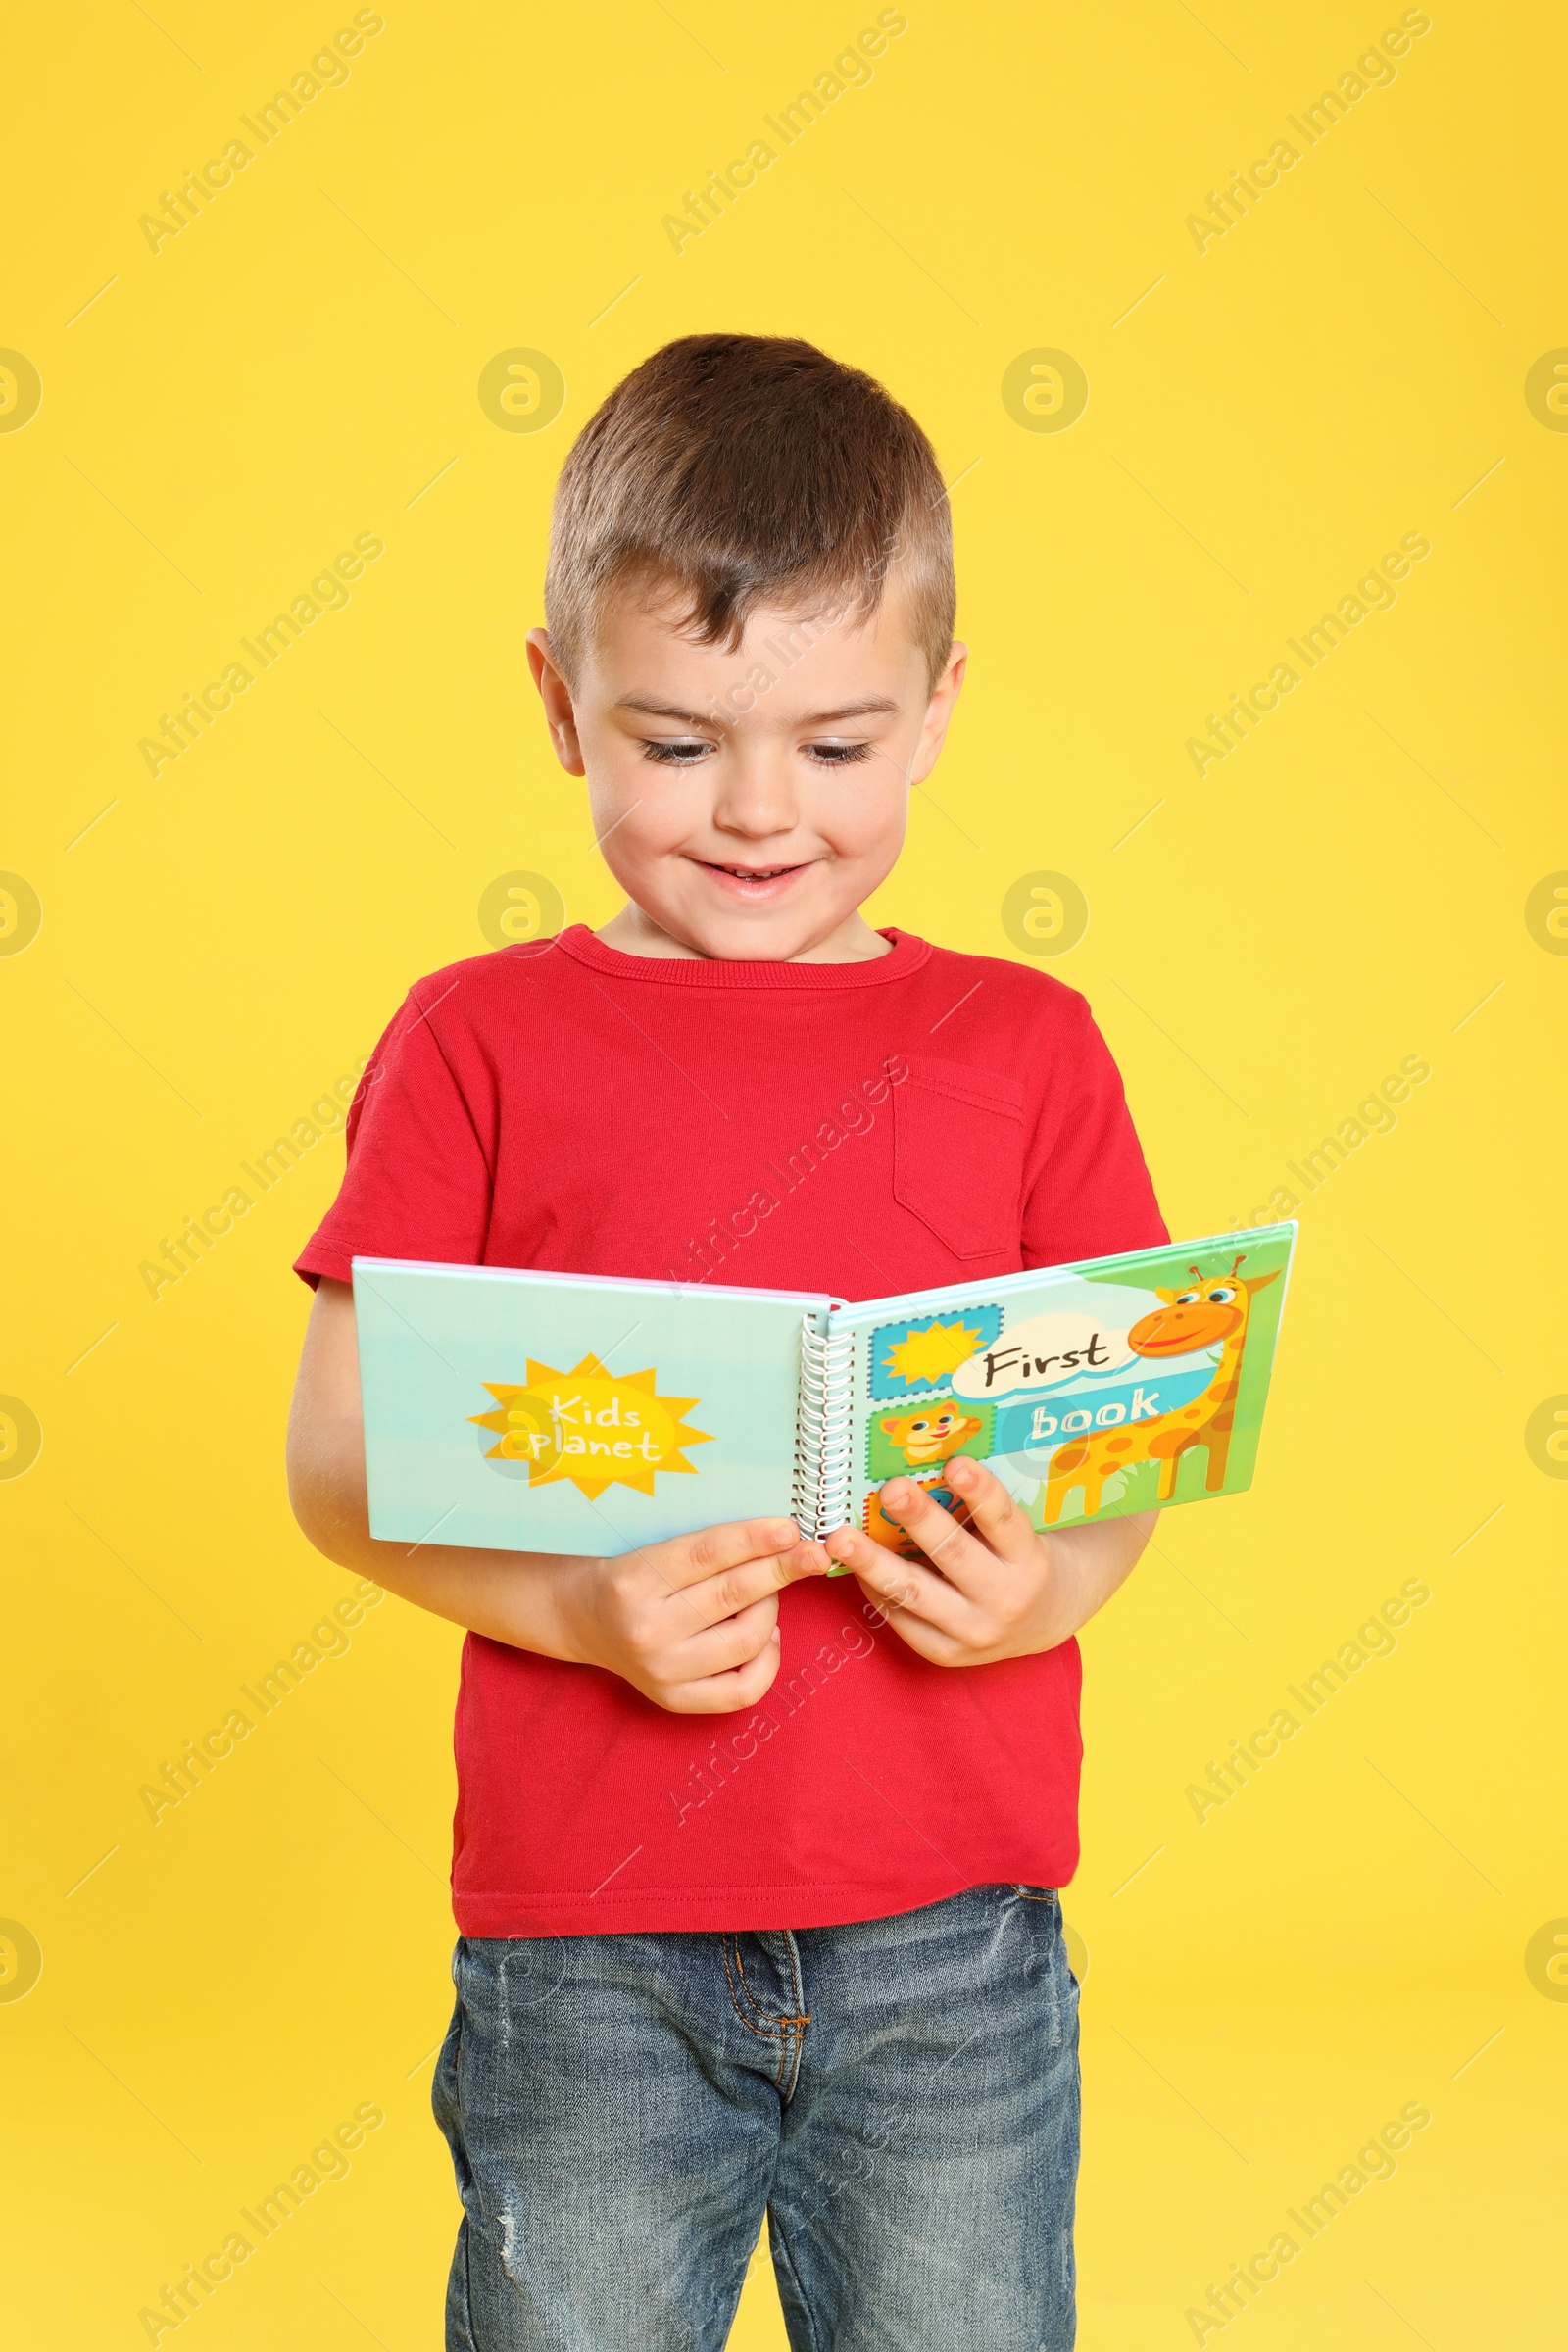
(749, 803)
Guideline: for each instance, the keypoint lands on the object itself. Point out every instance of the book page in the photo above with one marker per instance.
(557, 1413)
(1119, 1385)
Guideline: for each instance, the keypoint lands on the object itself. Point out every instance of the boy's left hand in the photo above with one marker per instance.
(998, 1589)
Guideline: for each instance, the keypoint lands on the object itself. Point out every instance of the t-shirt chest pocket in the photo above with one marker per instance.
(957, 1154)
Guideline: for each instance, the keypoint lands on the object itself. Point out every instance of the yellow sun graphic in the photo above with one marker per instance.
(590, 1427)
(932, 1355)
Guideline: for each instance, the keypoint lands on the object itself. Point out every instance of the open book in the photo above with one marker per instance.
(562, 1412)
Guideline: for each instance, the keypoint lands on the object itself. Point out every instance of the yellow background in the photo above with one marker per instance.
(218, 943)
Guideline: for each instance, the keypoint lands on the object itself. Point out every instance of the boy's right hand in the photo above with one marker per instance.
(691, 1623)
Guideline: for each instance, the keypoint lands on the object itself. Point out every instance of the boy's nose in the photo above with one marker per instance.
(757, 797)
(756, 817)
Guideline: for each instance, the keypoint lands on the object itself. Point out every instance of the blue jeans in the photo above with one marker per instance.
(898, 2096)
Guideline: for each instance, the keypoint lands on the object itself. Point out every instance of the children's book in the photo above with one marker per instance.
(565, 1413)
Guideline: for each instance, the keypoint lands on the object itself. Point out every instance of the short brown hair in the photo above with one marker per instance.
(742, 470)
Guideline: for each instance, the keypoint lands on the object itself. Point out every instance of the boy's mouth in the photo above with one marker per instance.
(751, 881)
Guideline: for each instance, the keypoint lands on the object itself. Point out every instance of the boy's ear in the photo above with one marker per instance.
(939, 712)
(556, 695)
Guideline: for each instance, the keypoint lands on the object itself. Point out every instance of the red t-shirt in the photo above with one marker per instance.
(573, 1109)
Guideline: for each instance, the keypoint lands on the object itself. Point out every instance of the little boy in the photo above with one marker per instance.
(754, 1872)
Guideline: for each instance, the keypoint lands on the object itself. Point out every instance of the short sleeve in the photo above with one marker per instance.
(1087, 1191)
(418, 1183)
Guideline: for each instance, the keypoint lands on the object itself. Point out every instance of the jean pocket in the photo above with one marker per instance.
(957, 1154)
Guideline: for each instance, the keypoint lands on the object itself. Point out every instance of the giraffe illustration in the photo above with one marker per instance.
(1213, 1307)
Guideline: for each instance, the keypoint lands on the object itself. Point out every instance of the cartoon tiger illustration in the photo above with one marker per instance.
(928, 1437)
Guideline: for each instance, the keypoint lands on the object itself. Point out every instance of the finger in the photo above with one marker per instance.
(900, 1585)
(691, 1559)
(997, 1516)
(920, 1635)
(718, 1649)
(725, 1694)
(735, 1589)
(947, 1544)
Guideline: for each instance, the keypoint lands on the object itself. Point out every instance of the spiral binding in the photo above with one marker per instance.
(823, 1438)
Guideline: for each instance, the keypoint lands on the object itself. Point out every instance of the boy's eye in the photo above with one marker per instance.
(676, 753)
(838, 754)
